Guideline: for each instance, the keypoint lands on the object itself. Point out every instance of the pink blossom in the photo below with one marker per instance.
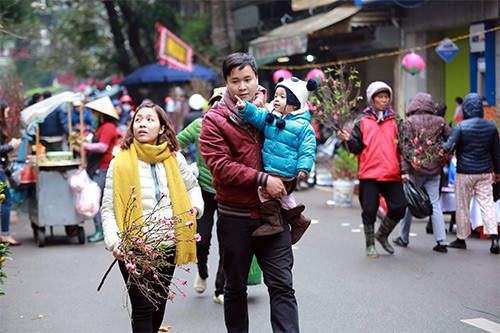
(183, 295)
(174, 153)
(155, 276)
(133, 197)
(132, 187)
(189, 223)
(429, 142)
(137, 205)
(130, 266)
(197, 237)
(130, 253)
(171, 297)
(155, 255)
(336, 117)
(183, 281)
(422, 130)
(320, 113)
(191, 212)
(188, 269)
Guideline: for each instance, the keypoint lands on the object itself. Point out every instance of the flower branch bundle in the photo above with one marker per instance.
(148, 248)
(337, 97)
(421, 147)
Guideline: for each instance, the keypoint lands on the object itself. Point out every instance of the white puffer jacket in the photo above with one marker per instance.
(148, 192)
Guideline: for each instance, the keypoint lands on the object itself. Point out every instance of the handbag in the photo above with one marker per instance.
(93, 159)
(419, 202)
(7, 166)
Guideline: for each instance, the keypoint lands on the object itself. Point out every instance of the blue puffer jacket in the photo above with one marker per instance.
(475, 140)
(288, 150)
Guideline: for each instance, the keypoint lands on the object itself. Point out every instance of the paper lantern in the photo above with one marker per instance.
(413, 63)
(281, 73)
(316, 74)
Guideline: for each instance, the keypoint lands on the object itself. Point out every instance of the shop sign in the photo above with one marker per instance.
(172, 50)
(477, 40)
(269, 51)
(447, 49)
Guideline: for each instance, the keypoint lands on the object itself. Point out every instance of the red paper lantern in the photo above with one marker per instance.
(413, 63)
(316, 74)
(281, 73)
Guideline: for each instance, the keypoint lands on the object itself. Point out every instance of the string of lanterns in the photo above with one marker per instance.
(412, 62)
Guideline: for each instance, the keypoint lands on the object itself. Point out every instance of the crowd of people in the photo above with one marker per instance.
(249, 158)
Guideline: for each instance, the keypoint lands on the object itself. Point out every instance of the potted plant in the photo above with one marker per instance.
(344, 172)
(345, 166)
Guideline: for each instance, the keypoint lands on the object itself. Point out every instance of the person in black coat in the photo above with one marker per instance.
(475, 142)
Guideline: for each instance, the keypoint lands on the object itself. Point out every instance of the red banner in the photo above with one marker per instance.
(172, 50)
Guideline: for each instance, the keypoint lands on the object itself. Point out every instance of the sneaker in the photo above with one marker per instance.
(200, 285)
(399, 242)
(458, 244)
(219, 299)
(440, 248)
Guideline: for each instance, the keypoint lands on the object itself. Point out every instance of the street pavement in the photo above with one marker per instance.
(339, 289)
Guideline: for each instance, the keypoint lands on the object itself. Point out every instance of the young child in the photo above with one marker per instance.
(289, 149)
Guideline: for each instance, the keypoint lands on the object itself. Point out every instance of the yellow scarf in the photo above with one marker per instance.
(126, 176)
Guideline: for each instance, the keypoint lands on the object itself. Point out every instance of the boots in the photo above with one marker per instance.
(371, 251)
(98, 236)
(271, 217)
(297, 221)
(384, 231)
(495, 247)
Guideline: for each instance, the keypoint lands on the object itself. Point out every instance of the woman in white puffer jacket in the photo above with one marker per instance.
(149, 173)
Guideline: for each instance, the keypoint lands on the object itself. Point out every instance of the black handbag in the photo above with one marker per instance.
(7, 165)
(419, 202)
(93, 159)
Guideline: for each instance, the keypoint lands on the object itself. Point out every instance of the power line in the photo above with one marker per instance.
(376, 56)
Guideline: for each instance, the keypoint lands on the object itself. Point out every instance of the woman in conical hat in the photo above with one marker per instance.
(99, 152)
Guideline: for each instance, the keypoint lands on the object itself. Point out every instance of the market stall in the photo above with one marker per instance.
(54, 202)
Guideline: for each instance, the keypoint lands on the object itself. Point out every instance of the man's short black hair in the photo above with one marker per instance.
(240, 60)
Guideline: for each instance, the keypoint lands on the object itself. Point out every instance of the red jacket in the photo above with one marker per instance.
(376, 145)
(232, 151)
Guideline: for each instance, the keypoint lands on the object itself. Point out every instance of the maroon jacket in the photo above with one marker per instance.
(232, 151)
(422, 116)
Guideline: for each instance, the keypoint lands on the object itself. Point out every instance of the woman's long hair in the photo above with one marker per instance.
(168, 135)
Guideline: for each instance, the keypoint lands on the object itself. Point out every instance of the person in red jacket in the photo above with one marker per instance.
(232, 149)
(99, 152)
(374, 139)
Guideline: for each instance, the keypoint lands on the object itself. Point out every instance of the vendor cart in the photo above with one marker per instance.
(54, 204)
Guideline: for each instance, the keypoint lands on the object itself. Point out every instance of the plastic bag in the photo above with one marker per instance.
(255, 273)
(419, 202)
(86, 194)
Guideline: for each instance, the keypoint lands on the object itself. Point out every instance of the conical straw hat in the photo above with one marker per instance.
(103, 105)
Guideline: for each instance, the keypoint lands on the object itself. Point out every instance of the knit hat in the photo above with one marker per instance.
(297, 91)
(472, 107)
(421, 102)
(376, 87)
